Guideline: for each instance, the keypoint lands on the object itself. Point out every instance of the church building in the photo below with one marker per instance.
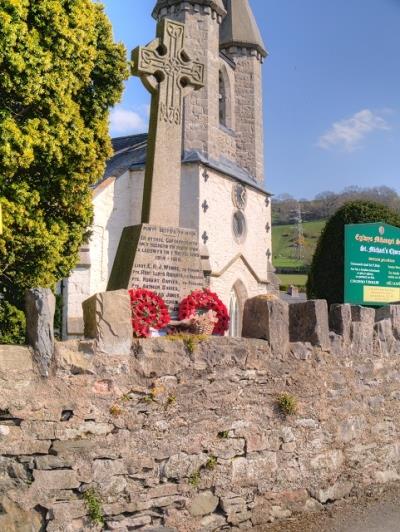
(222, 191)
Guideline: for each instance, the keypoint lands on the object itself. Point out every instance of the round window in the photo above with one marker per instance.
(239, 226)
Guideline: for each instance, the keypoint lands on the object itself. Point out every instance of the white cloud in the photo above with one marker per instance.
(349, 133)
(125, 121)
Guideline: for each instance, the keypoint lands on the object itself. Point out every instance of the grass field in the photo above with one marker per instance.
(296, 280)
(282, 244)
(283, 237)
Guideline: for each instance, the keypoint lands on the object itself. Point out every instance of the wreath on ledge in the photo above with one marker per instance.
(148, 312)
(200, 302)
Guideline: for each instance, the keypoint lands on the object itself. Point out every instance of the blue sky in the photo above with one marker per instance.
(331, 90)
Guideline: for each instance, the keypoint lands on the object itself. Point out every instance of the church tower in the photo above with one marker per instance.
(242, 42)
(223, 121)
(202, 19)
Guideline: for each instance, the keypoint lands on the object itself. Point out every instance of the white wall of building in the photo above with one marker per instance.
(117, 204)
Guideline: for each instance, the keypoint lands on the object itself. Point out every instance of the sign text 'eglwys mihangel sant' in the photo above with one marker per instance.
(372, 264)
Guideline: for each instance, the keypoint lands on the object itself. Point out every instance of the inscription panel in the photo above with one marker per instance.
(165, 260)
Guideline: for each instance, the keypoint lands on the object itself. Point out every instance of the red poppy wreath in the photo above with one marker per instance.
(148, 312)
(201, 301)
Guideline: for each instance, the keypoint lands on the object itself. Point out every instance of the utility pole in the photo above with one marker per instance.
(298, 233)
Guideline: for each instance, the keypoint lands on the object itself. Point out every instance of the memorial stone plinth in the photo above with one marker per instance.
(165, 260)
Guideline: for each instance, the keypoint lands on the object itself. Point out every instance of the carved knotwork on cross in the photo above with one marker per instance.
(165, 67)
(169, 74)
(269, 254)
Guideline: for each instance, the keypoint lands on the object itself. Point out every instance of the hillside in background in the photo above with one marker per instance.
(324, 205)
(286, 251)
(289, 215)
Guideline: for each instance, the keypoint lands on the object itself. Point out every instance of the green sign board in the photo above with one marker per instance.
(372, 264)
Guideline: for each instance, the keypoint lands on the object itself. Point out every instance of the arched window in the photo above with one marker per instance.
(234, 313)
(222, 100)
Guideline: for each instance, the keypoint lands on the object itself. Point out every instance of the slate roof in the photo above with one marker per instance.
(239, 27)
(121, 143)
(130, 154)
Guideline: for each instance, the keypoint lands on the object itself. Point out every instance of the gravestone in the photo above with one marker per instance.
(158, 254)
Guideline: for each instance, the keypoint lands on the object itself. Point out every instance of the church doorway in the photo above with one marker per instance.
(237, 300)
(234, 313)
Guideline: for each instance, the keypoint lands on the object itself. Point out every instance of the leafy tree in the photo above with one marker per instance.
(326, 278)
(12, 322)
(60, 71)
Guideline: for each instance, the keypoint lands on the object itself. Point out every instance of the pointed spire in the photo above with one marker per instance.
(239, 27)
(216, 5)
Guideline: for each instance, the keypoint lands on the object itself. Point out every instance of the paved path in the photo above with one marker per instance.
(379, 517)
(378, 514)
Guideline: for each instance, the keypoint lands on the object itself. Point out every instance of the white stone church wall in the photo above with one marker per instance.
(217, 191)
(232, 261)
(117, 204)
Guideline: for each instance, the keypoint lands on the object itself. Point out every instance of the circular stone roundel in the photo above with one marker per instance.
(239, 196)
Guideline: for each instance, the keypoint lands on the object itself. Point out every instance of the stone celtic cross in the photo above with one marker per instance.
(168, 73)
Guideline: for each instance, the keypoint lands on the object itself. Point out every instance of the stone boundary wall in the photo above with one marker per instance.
(182, 437)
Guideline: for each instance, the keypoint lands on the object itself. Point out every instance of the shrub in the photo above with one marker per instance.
(326, 278)
(60, 73)
(12, 324)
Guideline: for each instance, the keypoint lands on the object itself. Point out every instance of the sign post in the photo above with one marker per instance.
(372, 264)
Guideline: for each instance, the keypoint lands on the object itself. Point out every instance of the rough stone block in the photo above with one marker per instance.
(56, 479)
(362, 329)
(392, 313)
(340, 321)
(309, 323)
(15, 360)
(77, 362)
(203, 504)
(384, 335)
(107, 319)
(267, 319)
(13, 517)
(248, 472)
(333, 493)
(40, 307)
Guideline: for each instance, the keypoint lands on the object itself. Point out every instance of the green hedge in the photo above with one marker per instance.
(12, 324)
(326, 277)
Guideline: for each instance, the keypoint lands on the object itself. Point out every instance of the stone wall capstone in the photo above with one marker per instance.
(40, 306)
(108, 319)
(267, 319)
(309, 322)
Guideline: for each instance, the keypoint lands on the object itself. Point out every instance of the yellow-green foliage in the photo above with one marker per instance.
(60, 71)
(191, 341)
(195, 478)
(94, 506)
(287, 404)
(12, 320)
(211, 463)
